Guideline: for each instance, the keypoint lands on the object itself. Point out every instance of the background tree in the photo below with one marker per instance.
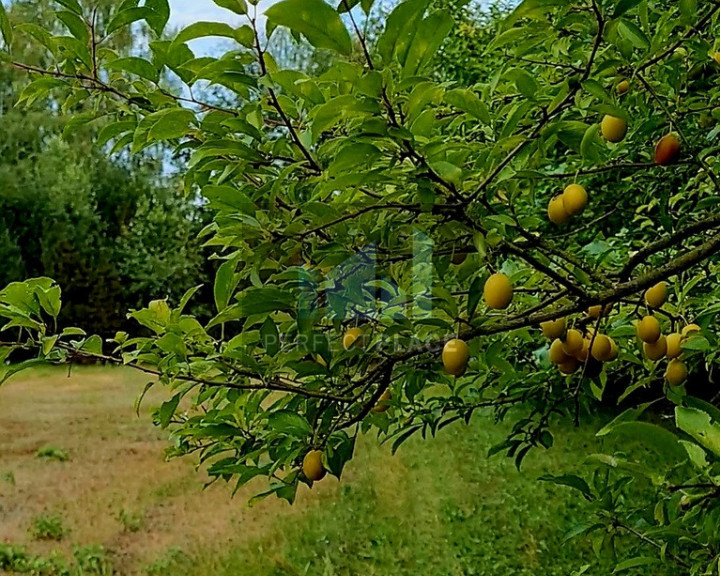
(114, 233)
(400, 249)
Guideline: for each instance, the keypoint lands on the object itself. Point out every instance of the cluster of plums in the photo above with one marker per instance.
(571, 349)
(657, 345)
(574, 198)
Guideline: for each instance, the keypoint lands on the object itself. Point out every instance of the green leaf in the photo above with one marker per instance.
(367, 6)
(226, 282)
(282, 490)
(160, 15)
(50, 299)
(688, 10)
(711, 409)
(72, 332)
(38, 89)
(155, 316)
(339, 451)
(187, 297)
(508, 37)
(526, 84)
(448, 172)
(171, 343)
(632, 32)
(629, 415)
(569, 132)
(634, 563)
(426, 41)
(48, 343)
(403, 436)
(76, 48)
(353, 156)
(265, 299)
(624, 6)
(75, 123)
(128, 16)
(170, 123)
(467, 101)
(532, 9)
(93, 345)
(167, 410)
(135, 65)
(115, 129)
(74, 24)
(290, 423)
(237, 6)
(569, 480)
(338, 109)
(270, 337)
(139, 399)
(400, 28)
(6, 371)
(38, 33)
(598, 90)
(660, 439)
(697, 456)
(474, 296)
(697, 343)
(315, 20)
(589, 138)
(203, 30)
(700, 426)
(229, 198)
(72, 5)
(580, 529)
(254, 301)
(346, 5)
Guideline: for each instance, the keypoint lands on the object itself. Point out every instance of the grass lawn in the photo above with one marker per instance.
(78, 468)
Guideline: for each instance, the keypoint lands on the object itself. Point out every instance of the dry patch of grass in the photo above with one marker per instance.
(116, 489)
(73, 449)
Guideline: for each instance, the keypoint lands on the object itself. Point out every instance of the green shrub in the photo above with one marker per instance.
(52, 453)
(48, 527)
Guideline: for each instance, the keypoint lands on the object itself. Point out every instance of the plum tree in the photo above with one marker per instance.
(341, 199)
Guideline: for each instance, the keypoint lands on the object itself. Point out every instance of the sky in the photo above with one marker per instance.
(184, 12)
